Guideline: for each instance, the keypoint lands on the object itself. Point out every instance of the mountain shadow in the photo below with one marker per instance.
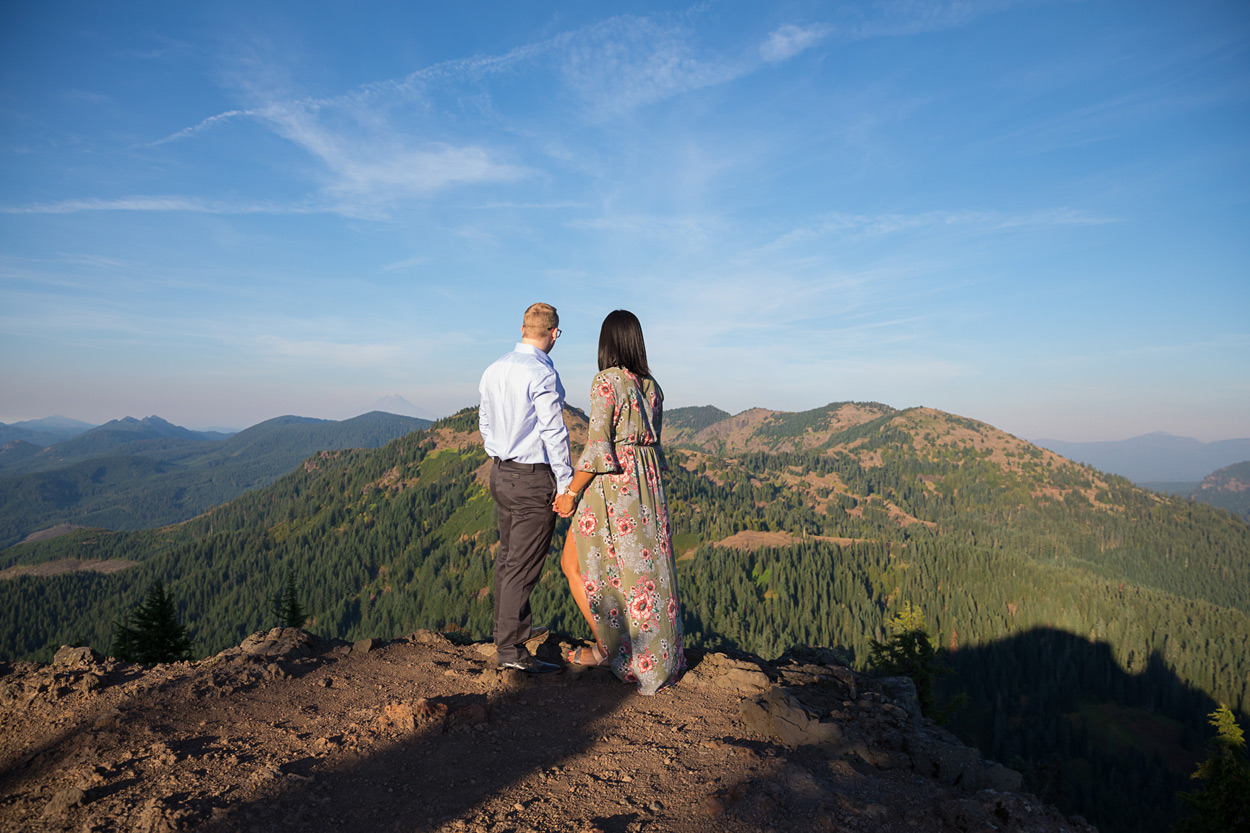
(1090, 736)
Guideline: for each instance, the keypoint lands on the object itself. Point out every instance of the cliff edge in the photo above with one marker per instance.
(291, 732)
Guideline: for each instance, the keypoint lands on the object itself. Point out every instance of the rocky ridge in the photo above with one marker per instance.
(291, 732)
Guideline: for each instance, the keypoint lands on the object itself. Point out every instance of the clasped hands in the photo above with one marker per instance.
(564, 504)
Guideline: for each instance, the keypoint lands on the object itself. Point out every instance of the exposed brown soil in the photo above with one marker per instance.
(67, 565)
(50, 532)
(752, 540)
(420, 734)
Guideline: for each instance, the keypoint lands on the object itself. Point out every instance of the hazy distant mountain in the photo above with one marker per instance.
(118, 437)
(165, 475)
(1228, 488)
(43, 432)
(1157, 457)
(396, 404)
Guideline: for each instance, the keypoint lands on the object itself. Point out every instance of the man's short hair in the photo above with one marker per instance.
(539, 320)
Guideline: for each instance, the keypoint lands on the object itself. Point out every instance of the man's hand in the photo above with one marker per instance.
(564, 505)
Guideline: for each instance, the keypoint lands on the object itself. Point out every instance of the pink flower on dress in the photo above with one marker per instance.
(625, 525)
(640, 607)
(672, 609)
(587, 524)
(646, 662)
(592, 586)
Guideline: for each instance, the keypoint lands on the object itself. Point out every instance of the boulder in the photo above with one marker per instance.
(722, 671)
(279, 643)
(68, 656)
(778, 714)
(63, 801)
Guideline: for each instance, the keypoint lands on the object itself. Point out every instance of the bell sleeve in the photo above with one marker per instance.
(599, 455)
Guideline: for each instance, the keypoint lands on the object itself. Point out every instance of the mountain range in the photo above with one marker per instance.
(133, 473)
(1091, 624)
(44, 431)
(1155, 458)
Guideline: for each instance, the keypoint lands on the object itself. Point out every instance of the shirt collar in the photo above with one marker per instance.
(522, 347)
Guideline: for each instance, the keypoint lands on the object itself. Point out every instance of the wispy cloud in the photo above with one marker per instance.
(627, 62)
(915, 17)
(529, 205)
(406, 263)
(789, 40)
(211, 121)
(689, 228)
(880, 225)
(366, 172)
(160, 203)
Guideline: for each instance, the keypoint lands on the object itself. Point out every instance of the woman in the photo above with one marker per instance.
(618, 556)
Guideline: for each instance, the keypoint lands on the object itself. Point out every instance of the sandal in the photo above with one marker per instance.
(576, 656)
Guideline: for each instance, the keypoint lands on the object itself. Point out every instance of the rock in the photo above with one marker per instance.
(64, 801)
(90, 682)
(279, 643)
(965, 814)
(946, 763)
(423, 636)
(902, 690)
(712, 807)
(407, 717)
(486, 649)
(364, 646)
(1002, 779)
(778, 714)
(732, 674)
(743, 680)
(71, 657)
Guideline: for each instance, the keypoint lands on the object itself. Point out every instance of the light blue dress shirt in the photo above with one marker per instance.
(521, 415)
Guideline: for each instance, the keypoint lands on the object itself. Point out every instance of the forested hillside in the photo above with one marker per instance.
(1228, 488)
(1091, 624)
(132, 474)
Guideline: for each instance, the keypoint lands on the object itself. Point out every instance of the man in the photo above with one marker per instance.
(522, 423)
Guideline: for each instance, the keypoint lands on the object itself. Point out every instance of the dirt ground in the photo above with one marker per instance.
(419, 734)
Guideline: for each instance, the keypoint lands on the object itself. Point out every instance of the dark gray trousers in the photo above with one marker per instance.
(523, 494)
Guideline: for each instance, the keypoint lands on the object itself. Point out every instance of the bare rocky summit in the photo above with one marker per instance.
(291, 732)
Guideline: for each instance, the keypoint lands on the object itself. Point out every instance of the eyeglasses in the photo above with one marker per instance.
(557, 332)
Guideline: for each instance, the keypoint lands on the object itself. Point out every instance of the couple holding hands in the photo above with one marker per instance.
(618, 556)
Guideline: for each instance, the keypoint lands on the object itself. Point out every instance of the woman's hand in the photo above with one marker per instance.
(564, 504)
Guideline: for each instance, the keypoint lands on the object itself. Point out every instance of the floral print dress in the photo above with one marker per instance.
(624, 543)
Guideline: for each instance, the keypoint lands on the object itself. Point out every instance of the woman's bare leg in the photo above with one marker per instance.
(573, 572)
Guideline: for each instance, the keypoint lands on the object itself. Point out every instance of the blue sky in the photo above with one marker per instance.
(1033, 214)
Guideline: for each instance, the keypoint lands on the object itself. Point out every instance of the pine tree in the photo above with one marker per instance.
(286, 606)
(151, 633)
(1222, 805)
(909, 652)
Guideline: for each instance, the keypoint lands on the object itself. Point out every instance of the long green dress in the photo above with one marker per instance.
(624, 543)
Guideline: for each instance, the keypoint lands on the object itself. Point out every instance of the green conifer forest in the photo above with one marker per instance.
(1092, 626)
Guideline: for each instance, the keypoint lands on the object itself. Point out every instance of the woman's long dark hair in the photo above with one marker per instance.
(621, 344)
